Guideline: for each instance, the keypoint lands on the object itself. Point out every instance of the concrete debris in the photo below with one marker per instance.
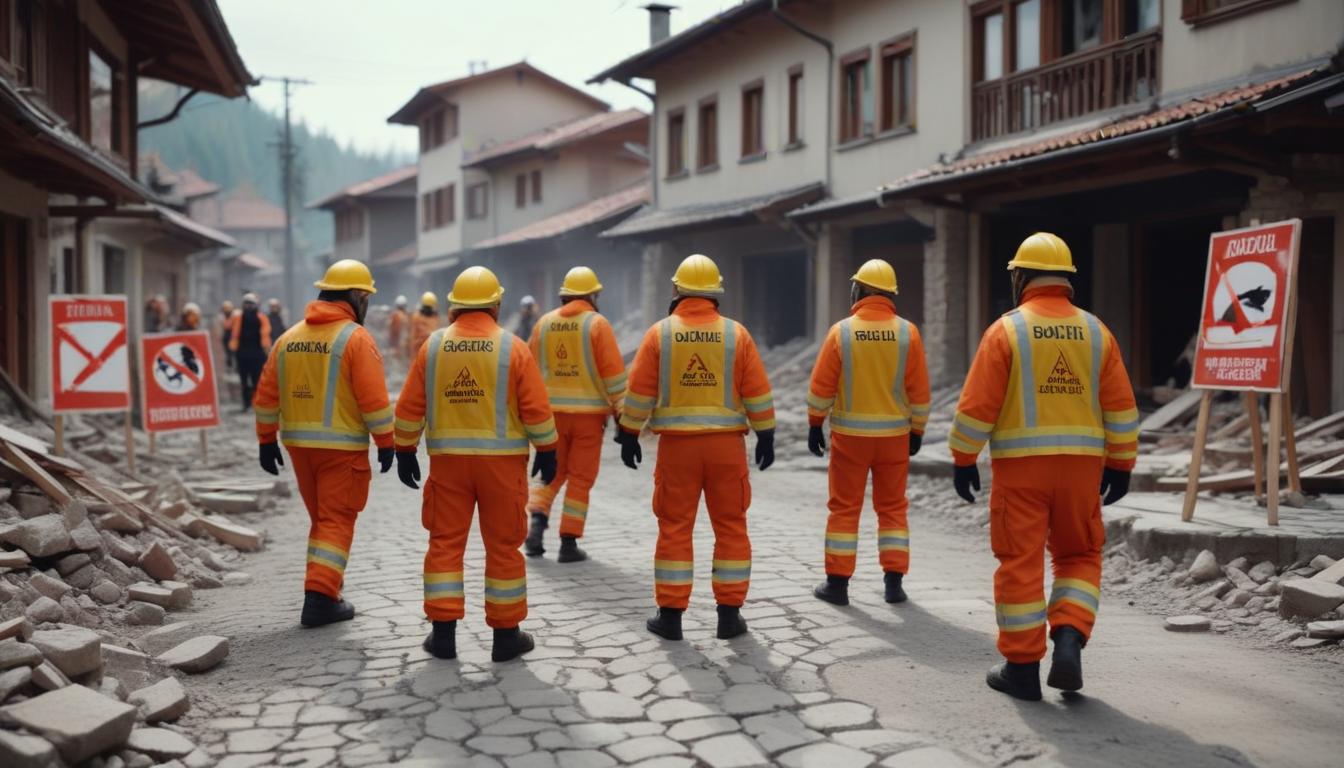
(53, 588)
(163, 701)
(19, 750)
(145, 614)
(16, 627)
(1309, 598)
(85, 537)
(168, 594)
(160, 743)
(156, 561)
(14, 559)
(106, 592)
(120, 549)
(1189, 623)
(1333, 574)
(1310, 642)
(1239, 578)
(119, 521)
(1330, 630)
(237, 536)
(39, 537)
(159, 640)
(47, 677)
(1262, 571)
(112, 688)
(43, 610)
(12, 680)
(199, 654)
(16, 654)
(131, 667)
(74, 650)
(72, 563)
(1205, 567)
(79, 722)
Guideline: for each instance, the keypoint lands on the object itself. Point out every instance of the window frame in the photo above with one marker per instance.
(676, 161)
(707, 160)
(896, 50)
(851, 112)
(1198, 13)
(535, 175)
(520, 190)
(794, 117)
(751, 141)
(427, 211)
(117, 69)
(478, 200)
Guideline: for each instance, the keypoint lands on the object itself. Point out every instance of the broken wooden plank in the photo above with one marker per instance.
(36, 448)
(1325, 425)
(237, 536)
(227, 502)
(39, 476)
(1232, 429)
(1325, 467)
(1172, 411)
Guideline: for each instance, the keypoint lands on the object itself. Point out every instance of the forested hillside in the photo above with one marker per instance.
(234, 143)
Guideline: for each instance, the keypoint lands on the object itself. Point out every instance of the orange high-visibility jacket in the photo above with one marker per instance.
(870, 374)
(487, 393)
(579, 359)
(323, 384)
(1048, 379)
(697, 372)
(235, 323)
(396, 326)
(421, 327)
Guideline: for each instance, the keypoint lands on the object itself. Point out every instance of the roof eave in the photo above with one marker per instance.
(638, 64)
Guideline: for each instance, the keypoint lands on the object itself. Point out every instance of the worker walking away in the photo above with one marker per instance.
(1049, 391)
(324, 392)
(698, 381)
(423, 323)
(871, 378)
(396, 328)
(527, 318)
(275, 315)
(585, 378)
(190, 319)
(475, 389)
(250, 342)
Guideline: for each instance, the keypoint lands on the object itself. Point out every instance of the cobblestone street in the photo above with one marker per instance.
(809, 685)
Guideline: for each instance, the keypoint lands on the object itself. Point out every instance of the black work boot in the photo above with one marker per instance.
(442, 640)
(569, 550)
(510, 644)
(666, 623)
(1021, 681)
(1066, 666)
(895, 592)
(731, 623)
(318, 609)
(834, 591)
(533, 545)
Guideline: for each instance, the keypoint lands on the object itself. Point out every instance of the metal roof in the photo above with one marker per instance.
(369, 187)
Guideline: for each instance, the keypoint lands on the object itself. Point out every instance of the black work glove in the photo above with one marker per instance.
(631, 453)
(964, 479)
(384, 460)
(1114, 485)
(816, 441)
(269, 456)
(408, 468)
(545, 465)
(916, 440)
(765, 449)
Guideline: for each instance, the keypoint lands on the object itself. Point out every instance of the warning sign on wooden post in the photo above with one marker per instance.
(90, 360)
(179, 381)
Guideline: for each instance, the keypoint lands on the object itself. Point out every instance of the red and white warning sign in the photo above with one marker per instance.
(179, 381)
(1249, 308)
(90, 360)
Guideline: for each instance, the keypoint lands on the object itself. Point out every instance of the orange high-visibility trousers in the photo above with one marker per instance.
(715, 463)
(852, 458)
(334, 485)
(457, 486)
(1038, 502)
(578, 455)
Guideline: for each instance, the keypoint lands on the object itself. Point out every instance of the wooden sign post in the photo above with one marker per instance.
(1245, 344)
(178, 384)
(90, 361)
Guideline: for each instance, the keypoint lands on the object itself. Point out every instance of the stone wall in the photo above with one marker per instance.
(946, 275)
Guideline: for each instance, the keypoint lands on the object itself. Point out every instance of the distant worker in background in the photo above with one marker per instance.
(324, 392)
(1049, 391)
(190, 319)
(476, 393)
(250, 341)
(872, 380)
(156, 314)
(275, 314)
(698, 381)
(527, 317)
(423, 323)
(396, 328)
(222, 327)
(585, 379)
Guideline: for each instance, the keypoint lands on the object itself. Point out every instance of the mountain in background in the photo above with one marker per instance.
(234, 144)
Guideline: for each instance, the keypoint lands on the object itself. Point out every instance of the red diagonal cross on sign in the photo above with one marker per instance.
(95, 362)
(182, 369)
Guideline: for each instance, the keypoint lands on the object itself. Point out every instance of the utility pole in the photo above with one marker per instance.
(287, 153)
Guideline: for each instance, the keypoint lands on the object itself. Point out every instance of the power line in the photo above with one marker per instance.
(287, 153)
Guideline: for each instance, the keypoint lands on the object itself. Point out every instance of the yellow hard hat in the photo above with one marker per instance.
(580, 281)
(428, 299)
(476, 287)
(876, 273)
(1045, 252)
(698, 275)
(345, 275)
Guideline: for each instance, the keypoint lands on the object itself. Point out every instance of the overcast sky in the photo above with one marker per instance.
(366, 58)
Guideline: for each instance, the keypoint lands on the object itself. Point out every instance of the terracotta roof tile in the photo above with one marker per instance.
(568, 221)
(370, 186)
(241, 209)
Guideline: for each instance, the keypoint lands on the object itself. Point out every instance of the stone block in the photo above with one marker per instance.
(156, 561)
(160, 743)
(16, 654)
(106, 592)
(1205, 567)
(135, 669)
(145, 614)
(1309, 598)
(74, 650)
(79, 722)
(159, 640)
(163, 701)
(12, 680)
(40, 537)
(18, 750)
(43, 610)
(85, 537)
(1187, 624)
(47, 677)
(1329, 630)
(14, 558)
(49, 586)
(119, 548)
(199, 654)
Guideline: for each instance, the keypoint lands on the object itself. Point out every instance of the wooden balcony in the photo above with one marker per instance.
(1112, 75)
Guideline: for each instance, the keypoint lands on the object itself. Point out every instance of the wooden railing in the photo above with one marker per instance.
(1112, 75)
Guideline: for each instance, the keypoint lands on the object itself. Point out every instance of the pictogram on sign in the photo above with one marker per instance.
(90, 361)
(179, 381)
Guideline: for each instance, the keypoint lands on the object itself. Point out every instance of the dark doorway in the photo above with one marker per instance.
(16, 302)
(1174, 257)
(902, 246)
(775, 293)
(1312, 356)
(1006, 234)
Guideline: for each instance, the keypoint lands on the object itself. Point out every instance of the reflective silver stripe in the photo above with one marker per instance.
(1048, 441)
(586, 342)
(1059, 593)
(846, 365)
(735, 420)
(1094, 329)
(903, 346)
(334, 370)
(1025, 619)
(1024, 359)
(502, 384)
(489, 443)
(545, 360)
(665, 363)
(843, 421)
(1122, 426)
(431, 374)
(729, 356)
(323, 436)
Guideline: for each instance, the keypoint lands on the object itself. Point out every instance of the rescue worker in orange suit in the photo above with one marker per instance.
(585, 378)
(250, 343)
(477, 393)
(1049, 391)
(396, 328)
(324, 392)
(698, 381)
(871, 378)
(423, 322)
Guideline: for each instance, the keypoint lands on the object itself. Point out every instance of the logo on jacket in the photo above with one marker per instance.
(697, 374)
(560, 352)
(1062, 380)
(464, 388)
(301, 391)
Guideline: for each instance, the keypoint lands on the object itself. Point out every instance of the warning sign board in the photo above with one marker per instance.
(90, 361)
(179, 381)
(1249, 306)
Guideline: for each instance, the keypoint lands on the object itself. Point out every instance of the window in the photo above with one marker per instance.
(438, 208)
(438, 128)
(753, 128)
(426, 211)
(1027, 35)
(1081, 25)
(478, 200)
(536, 186)
(856, 96)
(795, 105)
(989, 46)
(707, 131)
(676, 142)
(1199, 12)
(520, 190)
(898, 83)
(1141, 15)
(114, 269)
(349, 224)
(104, 103)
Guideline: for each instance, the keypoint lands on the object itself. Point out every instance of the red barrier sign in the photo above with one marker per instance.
(1250, 292)
(179, 381)
(90, 361)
